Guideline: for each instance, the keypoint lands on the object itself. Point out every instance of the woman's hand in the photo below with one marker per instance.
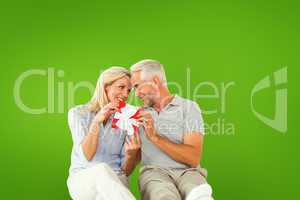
(132, 146)
(106, 112)
(132, 153)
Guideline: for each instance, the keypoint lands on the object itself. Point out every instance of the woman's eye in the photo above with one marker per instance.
(121, 87)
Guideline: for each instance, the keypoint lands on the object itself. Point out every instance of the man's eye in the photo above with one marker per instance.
(121, 87)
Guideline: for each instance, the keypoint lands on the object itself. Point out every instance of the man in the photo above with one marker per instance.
(172, 139)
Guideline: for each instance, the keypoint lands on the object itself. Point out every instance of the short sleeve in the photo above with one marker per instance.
(193, 120)
(78, 128)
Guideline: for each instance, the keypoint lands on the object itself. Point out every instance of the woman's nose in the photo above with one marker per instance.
(125, 94)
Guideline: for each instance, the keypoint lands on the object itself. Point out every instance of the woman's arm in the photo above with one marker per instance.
(90, 142)
(132, 153)
(131, 162)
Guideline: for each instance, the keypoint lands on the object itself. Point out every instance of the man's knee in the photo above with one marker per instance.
(188, 181)
(201, 192)
(160, 191)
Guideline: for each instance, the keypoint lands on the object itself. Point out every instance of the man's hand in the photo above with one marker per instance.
(145, 119)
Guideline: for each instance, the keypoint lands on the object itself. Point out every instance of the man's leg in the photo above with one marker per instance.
(192, 185)
(156, 184)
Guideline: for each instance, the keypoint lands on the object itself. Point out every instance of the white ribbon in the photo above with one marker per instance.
(124, 122)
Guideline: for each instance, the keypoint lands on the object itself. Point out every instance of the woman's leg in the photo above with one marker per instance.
(124, 179)
(99, 182)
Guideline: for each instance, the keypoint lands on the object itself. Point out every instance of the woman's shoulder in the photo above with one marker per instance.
(80, 111)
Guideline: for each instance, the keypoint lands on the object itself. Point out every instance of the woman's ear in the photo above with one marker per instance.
(106, 88)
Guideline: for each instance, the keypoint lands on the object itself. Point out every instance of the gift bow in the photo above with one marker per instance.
(126, 118)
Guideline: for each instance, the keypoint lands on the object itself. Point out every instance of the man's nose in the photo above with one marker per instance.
(137, 93)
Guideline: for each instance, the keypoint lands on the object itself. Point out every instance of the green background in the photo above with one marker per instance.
(224, 41)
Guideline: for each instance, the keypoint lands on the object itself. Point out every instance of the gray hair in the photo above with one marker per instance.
(149, 68)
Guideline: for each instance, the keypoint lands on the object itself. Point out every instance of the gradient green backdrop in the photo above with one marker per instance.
(239, 41)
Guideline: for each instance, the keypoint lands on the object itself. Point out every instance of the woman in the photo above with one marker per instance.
(102, 157)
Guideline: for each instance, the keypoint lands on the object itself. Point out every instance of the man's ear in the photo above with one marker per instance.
(156, 80)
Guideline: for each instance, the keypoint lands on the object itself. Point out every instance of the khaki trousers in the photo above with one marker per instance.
(157, 183)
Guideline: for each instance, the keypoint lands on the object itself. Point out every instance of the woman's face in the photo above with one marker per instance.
(118, 90)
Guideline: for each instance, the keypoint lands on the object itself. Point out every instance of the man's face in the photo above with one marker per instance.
(147, 91)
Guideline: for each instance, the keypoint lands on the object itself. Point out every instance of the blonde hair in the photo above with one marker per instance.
(107, 77)
(149, 68)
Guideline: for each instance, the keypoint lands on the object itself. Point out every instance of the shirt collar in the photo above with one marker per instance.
(175, 101)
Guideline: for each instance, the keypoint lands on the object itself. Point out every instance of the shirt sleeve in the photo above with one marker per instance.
(79, 129)
(193, 121)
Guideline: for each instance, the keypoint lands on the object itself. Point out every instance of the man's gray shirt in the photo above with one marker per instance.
(178, 118)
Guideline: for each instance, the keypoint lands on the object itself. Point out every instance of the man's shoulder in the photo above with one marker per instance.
(186, 103)
(182, 99)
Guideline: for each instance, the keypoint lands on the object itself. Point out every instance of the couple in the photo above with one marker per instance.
(168, 143)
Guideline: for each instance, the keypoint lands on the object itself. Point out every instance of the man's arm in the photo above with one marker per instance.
(188, 153)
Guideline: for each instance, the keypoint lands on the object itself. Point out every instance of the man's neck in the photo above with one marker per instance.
(165, 98)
